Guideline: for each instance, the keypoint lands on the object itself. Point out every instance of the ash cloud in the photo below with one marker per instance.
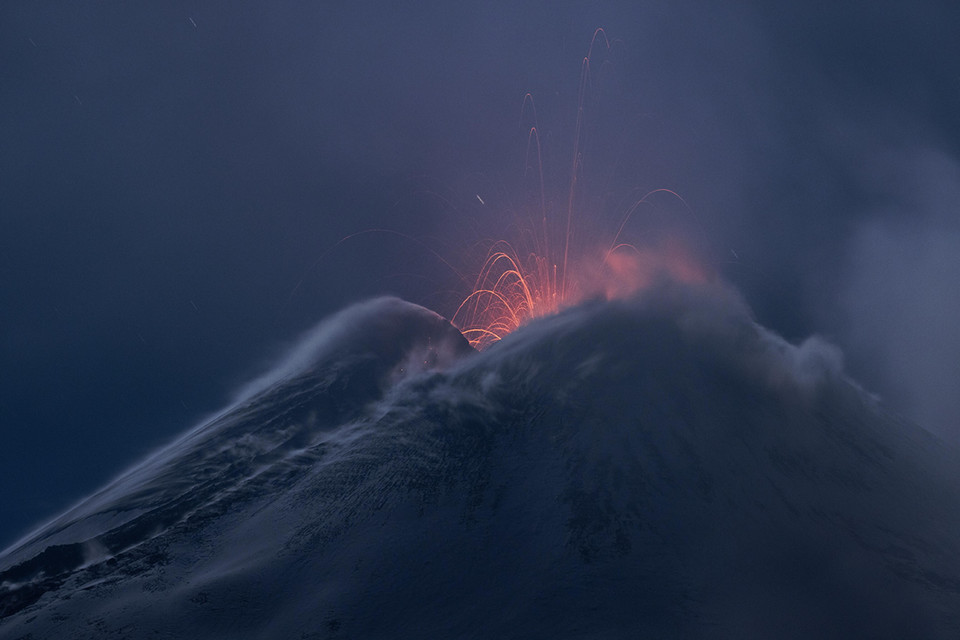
(841, 201)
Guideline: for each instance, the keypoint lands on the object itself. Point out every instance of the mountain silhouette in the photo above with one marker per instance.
(656, 467)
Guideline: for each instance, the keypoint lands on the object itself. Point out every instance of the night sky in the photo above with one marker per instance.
(175, 178)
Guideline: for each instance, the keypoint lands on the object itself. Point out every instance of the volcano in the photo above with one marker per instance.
(657, 467)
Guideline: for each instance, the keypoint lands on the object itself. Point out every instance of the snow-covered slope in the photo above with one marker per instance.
(660, 467)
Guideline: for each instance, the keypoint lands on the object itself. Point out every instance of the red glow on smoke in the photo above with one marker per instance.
(510, 290)
(629, 272)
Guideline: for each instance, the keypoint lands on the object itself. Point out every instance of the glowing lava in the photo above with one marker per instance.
(554, 268)
(511, 290)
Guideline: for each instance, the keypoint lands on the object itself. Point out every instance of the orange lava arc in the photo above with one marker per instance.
(509, 291)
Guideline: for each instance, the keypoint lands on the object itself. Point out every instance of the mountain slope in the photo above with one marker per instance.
(659, 466)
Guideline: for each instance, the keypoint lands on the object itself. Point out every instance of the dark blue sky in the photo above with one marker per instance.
(173, 177)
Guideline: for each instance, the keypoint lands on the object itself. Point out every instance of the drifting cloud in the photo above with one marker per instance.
(900, 294)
